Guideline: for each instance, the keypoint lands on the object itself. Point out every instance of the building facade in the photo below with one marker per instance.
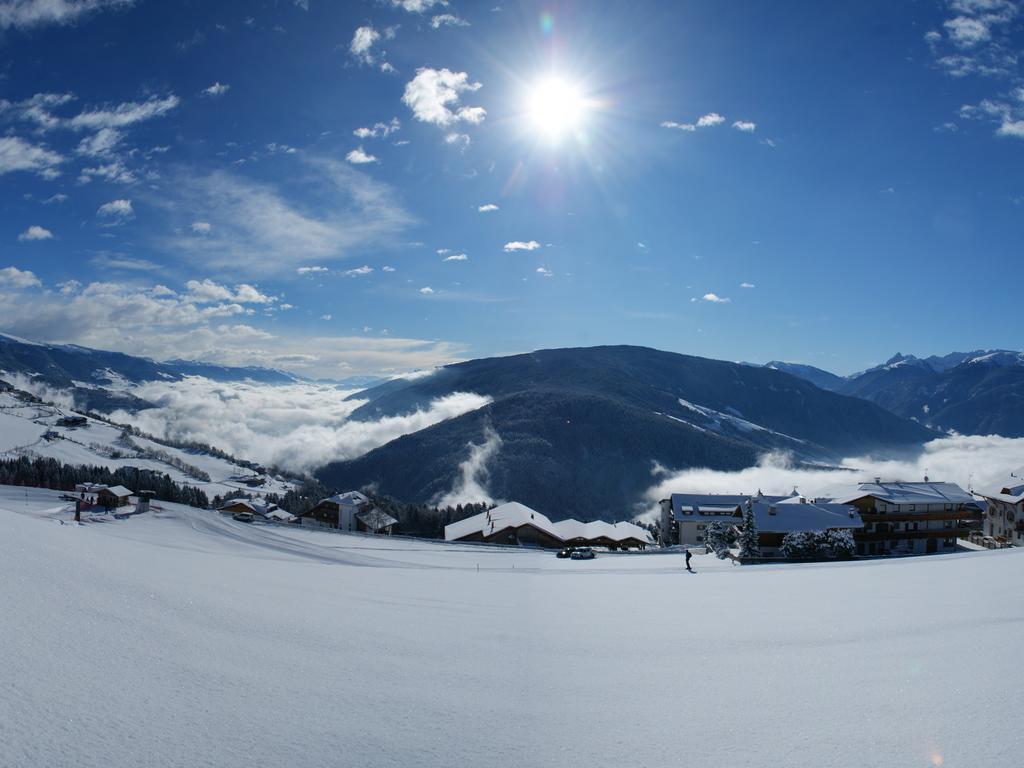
(1004, 513)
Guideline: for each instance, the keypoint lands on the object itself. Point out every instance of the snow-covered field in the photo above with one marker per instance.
(183, 638)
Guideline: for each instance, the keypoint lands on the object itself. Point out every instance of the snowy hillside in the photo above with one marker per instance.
(34, 429)
(181, 638)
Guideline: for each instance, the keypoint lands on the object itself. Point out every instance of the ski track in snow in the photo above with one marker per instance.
(183, 638)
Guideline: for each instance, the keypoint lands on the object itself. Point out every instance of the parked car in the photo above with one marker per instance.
(582, 553)
(564, 553)
(243, 517)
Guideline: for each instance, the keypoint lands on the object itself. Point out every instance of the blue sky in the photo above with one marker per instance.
(744, 181)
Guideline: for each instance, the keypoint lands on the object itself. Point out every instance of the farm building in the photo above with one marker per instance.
(351, 511)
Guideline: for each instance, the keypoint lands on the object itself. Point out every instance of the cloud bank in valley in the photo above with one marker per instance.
(471, 484)
(968, 460)
(297, 427)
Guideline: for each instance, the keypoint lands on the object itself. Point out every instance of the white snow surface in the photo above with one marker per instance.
(183, 638)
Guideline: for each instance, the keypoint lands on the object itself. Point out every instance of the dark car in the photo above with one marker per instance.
(565, 552)
(582, 553)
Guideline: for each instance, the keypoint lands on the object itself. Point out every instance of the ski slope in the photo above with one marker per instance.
(183, 638)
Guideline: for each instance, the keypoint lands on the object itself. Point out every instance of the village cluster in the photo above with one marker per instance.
(869, 519)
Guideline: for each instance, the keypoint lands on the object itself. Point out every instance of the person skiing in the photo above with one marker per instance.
(688, 556)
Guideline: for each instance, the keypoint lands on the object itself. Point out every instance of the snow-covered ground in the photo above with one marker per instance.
(23, 426)
(183, 638)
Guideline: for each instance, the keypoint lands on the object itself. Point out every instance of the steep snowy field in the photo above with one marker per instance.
(181, 638)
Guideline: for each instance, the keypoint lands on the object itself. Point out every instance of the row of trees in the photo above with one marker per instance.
(49, 473)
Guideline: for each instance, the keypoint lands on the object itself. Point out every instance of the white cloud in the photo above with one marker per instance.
(208, 292)
(471, 484)
(520, 245)
(35, 232)
(114, 171)
(487, 208)
(326, 317)
(200, 227)
(217, 89)
(24, 14)
(361, 47)
(116, 210)
(123, 115)
(19, 155)
(966, 32)
(101, 143)
(387, 269)
(745, 125)
(58, 197)
(105, 260)
(710, 120)
(746, 285)
(417, 6)
(12, 277)
(303, 4)
(433, 96)
(298, 427)
(456, 257)
(447, 20)
(545, 272)
(714, 298)
(678, 126)
(310, 270)
(261, 230)
(378, 130)
(359, 157)
(358, 271)
(426, 290)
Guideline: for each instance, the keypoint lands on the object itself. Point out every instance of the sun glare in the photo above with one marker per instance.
(555, 108)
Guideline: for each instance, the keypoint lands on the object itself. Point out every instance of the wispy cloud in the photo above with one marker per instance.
(746, 285)
(456, 257)
(714, 298)
(378, 130)
(262, 228)
(745, 125)
(217, 89)
(16, 154)
(417, 6)
(447, 20)
(24, 14)
(487, 208)
(116, 211)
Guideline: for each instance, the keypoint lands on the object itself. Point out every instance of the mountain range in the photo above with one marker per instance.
(582, 430)
(979, 392)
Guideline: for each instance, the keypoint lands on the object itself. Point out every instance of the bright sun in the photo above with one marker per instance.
(555, 108)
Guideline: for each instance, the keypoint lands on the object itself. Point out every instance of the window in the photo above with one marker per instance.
(949, 542)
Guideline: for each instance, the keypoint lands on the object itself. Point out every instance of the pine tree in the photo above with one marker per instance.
(748, 540)
(716, 536)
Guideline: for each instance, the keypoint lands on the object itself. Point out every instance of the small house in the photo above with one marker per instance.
(113, 496)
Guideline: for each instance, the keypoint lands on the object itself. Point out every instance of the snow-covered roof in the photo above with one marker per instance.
(711, 504)
(908, 493)
(515, 515)
(117, 490)
(280, 514)
(806, 516)
(348, 498)
(1012, 492)
(256, 506)
(376, 519)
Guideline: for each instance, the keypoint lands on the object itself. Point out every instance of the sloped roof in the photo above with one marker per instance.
(348, 498)
(375, 519)
(790, 517)
(514, 515)
(117, 490)
(1012, 492)
(909, 493)
(723, 504)
(280, 514)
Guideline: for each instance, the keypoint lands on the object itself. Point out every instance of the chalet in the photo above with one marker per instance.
(774, 520)
(257, 507)
(113, 496)
(685, 516)
(910, 518)
(72, 421)
(89, 487)
(1004, 514)
(351, 511)
(516, 524)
